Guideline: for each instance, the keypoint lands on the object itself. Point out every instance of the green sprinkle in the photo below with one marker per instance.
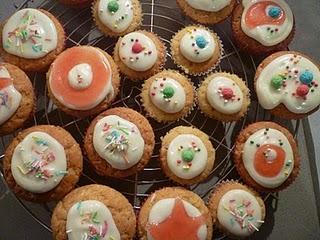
(251, 142)
(276, 81)
(113, 6)
(168, 92)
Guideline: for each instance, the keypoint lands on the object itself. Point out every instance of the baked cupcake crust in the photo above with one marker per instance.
(121, 210)
(74, 164)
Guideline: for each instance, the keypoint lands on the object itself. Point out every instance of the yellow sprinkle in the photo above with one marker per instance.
(21, 170)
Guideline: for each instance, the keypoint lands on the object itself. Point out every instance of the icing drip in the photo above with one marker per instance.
(167, 94)
(116, 15)
(209, 5)
(173, 218)
(29, 33)
(10, 98)
(38, 163)
(91, 220)
(197, 45)
(292, 80)
(118, 141)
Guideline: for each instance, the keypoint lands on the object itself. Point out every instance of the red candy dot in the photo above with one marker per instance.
(137, 48)
(302, 90)
(227, 93)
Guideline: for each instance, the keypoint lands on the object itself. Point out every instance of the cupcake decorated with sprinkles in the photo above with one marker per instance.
(43, 163)
(266, 156)
(140, 55)
(31, 39)
(287, 85)
(117, 17)
(168, 96)
(196, 49)
(263, 26)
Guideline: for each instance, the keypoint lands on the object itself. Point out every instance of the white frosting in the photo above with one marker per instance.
(269, 97)
(172, 104)
(91, 218)
(181, 168)
(243, 204)
(273, 137)
(80, 76)
(29, 33)
(117, 21)
(220, 103)
(118, 141)
(197, 45)
(262, 33)
(162, 209)
(209, 5)
(38, 163)
(10, 98)
(138, 61)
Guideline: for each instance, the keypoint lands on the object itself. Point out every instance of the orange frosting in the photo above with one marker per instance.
(5, 82)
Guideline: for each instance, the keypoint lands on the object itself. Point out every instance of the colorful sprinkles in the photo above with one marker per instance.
(187, 155)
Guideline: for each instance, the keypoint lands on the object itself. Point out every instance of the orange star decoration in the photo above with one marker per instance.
(178, 226)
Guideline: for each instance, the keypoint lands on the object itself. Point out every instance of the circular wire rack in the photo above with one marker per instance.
(163, 18)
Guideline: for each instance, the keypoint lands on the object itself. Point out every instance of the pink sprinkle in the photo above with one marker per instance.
(104, 229)
(153, 94)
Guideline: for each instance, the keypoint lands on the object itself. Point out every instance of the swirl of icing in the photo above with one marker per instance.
(268, 157)
(209, 5)
(38, 163)
(167, 94)
(29, 33)
(187, 156)
(116, 15)
(137, 51)
(118, 141)
(197, 45)
(10, 97)
(91, 219)
(291, 80)
(81, 78)
(174, 218)
(224, 95)
(268, 22)
(239, 213)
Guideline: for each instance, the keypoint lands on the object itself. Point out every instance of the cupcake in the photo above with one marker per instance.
(236, 210)
(224, 96)
(287, 84)
(266, 156)
(263, 26)
(117, 17)
(186, 155)
(93, 212)
(17, 99)
(174, 213)
(207, 11)
(31, 39)
(83, 81)
(168, 96)
(76, 3)
(140, 55)
(196, 49)
(43, 163)
(119, 142)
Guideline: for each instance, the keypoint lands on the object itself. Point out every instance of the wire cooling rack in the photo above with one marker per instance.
(163, 18)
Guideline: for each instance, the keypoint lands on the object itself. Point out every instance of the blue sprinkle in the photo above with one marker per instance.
(306, 77)
(274, 12)
(201, 42)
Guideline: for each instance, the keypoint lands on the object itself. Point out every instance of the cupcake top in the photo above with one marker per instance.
(209, 5)
(137, 51)
(268, 22)
(118, 141)
(91, 219)
(38, 162)
(117, 15)
(290, 79)
(10, 97)
(29, 33)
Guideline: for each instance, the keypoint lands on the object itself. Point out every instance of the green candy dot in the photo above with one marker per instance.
(113, 6)
(168, 92)
(187, 155)
(277, 82)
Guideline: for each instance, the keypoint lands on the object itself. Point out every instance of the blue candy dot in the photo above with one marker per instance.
(274, 12)
(201, 42)
(306, 77)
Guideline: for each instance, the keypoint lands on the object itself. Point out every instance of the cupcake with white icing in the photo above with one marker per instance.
(287, 84)
(196, 49)
(186, 155)
(140, 55)
(266, 156)
(31, 39)
(117, 17)
(224, 96)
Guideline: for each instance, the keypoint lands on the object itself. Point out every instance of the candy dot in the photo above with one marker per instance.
(113, 6)
(274, 12)
(201, 42)
(168, 92)
(187, 155)
(277, 82)
(306, 77)
(302, 90)
(227, 93)
(137, 48)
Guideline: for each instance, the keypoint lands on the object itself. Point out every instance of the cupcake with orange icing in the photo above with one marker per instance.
(83, 81)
